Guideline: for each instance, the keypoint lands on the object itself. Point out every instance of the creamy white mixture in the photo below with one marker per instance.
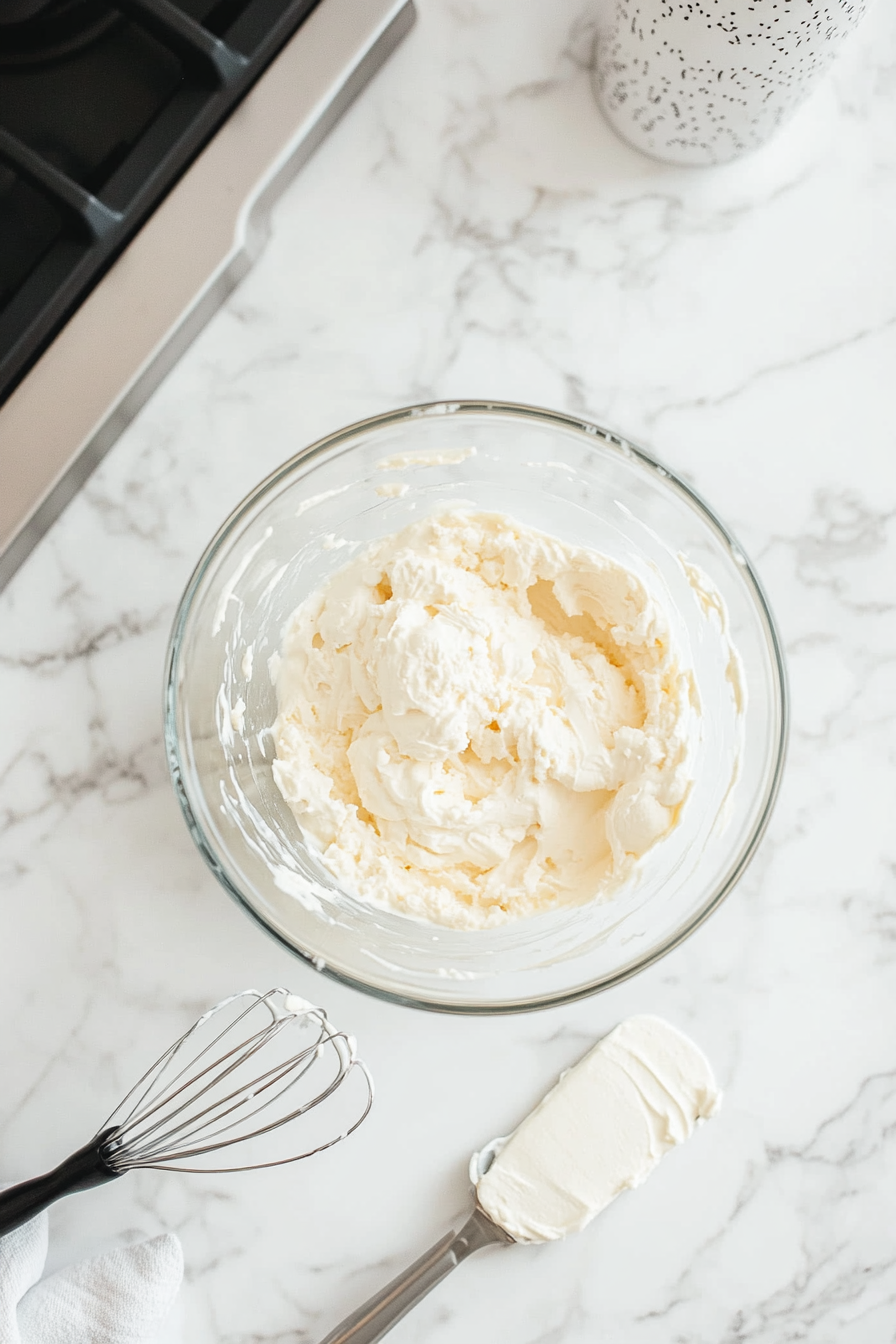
(601, 1130)
(479, 722)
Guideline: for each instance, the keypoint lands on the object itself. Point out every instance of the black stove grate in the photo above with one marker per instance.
(102, 108)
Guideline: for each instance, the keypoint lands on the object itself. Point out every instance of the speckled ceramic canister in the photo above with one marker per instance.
(703, 81)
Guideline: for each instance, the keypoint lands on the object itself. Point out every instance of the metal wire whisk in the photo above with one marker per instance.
(249, 1066)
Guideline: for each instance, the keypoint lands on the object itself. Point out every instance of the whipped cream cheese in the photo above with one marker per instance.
(601, 1130)
(479, 722)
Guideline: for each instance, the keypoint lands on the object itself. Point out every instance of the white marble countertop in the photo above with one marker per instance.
(473, 229)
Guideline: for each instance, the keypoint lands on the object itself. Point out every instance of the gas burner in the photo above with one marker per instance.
(33, 32)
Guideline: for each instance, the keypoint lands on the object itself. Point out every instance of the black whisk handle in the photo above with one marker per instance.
(84, 1169)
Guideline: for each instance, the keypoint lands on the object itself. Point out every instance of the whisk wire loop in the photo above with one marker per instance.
(210, 1091)
(239, 1097)
(243, 1052)
(195, 1092)
(153, 1075)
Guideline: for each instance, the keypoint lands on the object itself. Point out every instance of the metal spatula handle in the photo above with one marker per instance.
(386, 1308)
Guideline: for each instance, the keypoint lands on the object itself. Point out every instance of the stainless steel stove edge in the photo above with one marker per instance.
(45, 456)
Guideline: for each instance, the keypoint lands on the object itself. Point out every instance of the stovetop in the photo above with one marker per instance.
(102, 108)
(142, 144)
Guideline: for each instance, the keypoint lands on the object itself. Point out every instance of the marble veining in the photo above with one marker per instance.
(474, 228)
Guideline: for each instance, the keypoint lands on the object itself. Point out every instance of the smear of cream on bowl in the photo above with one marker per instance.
(446, 458)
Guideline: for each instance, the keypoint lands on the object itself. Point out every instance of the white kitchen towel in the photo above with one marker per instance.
(116, 1298)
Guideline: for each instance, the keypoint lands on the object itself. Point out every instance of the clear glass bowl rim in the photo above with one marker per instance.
(609, 438)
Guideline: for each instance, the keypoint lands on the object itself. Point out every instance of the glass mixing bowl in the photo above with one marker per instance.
(551, 471)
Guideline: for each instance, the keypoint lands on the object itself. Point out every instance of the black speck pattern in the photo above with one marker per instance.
(703, 81)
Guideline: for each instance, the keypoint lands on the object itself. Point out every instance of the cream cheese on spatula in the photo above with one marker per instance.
(601, 1130)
